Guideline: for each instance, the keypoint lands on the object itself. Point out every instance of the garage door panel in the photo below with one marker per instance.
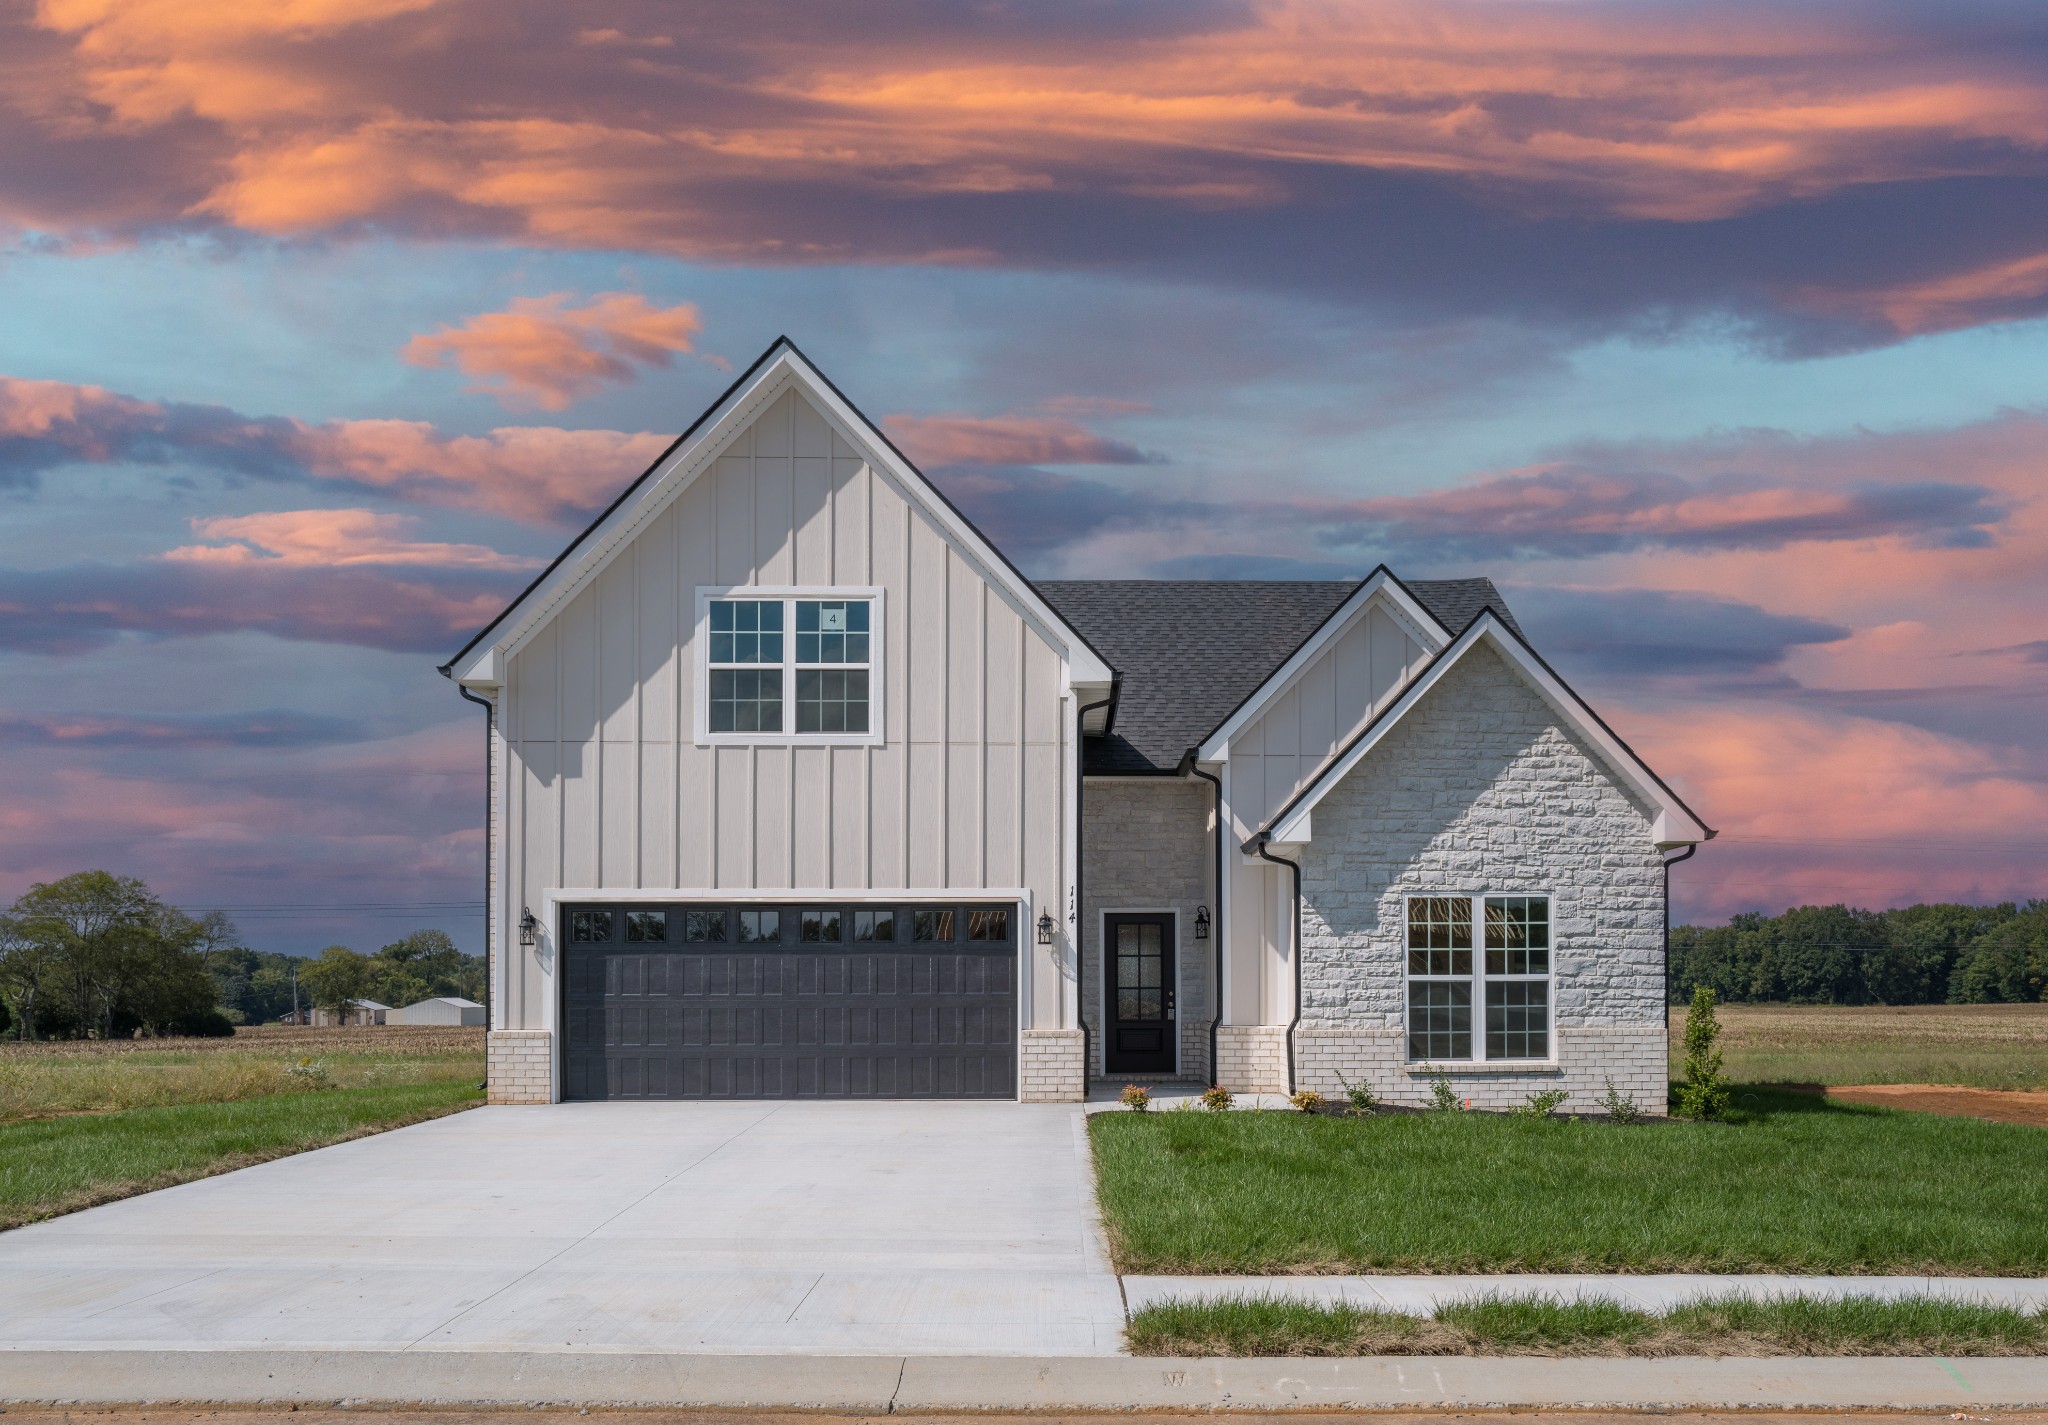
(661, 1017)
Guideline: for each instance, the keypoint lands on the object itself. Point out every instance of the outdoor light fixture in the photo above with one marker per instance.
(529, 929)
(1201, 922)
(1045, 927)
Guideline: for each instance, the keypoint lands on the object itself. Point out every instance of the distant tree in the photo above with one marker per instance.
(422, 964)
(28, 975)
(2008, 964)
(336, 979)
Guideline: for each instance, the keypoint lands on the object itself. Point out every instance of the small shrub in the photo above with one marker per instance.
(1443, 1098)
(1137, 1098)
(310, 1073)
(1361, 1101)
(1217, 1098)
(1620, 1107)
(1704, 1094)
(1540, 1104)
(1308, 1100)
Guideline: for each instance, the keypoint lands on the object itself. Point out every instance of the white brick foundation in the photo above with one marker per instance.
(518, 1067)
(1049, 1066)
(1252, 1058)
(1587, 1058)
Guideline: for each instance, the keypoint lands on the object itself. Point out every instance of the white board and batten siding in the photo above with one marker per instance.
(608, 787)
(1273, 756)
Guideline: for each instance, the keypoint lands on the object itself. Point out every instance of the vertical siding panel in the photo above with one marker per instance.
(925, 659)
(772, 783)
(580, 773)
(813, 519)
(698, 821)
(1389, 652)
(851, 486)
(886, 766)
(925, 813)
(533, 676)
(540, 788)
(1004, 814)
(1353, 682)
(850, 813)
(618, 817)
(733, 842)
(618, 648)
(576, 644)
(811, 830)
(657, 814)
(735, 527)
(659, 643)
(1005, 635)
(774, 495)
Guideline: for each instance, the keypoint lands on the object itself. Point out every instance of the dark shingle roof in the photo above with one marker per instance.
(1190, 650)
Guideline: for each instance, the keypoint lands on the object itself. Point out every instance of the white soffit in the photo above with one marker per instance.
(482, 663)
(1674, 822)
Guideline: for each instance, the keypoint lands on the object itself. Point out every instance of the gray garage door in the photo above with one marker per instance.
(790, 1001)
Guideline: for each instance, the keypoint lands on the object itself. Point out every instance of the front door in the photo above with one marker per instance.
(1140, 975)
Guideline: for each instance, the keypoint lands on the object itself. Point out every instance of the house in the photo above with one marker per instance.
(360, 1012)
(442, 1009)
(798, 787)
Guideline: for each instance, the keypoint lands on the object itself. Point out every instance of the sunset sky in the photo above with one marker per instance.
(1715, 333)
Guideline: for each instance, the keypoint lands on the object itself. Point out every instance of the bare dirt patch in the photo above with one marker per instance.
(2026, 1106)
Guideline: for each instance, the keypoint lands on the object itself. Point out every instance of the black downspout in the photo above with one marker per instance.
(1669, 862)
(1216, 922)
(490, 759)
(1295, 867)
(1080, 879)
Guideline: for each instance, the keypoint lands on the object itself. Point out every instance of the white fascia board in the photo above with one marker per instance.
(1674, 824)
(1083, 664)
(1420, 622)
(681, 467)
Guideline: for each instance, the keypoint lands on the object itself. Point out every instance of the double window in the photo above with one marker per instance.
(1505, 976)
(792, 667)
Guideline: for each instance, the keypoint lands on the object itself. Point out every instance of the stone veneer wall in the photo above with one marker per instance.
(1146, 843)
(1049, 1066)
(517, 1066)
(1481, 789)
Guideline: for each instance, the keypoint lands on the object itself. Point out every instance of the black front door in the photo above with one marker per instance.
(1139, 969)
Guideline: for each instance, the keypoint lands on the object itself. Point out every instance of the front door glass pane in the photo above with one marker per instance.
(1140, 973)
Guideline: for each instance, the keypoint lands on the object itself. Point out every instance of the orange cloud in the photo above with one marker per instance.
(333, 539)
(545, 353)
(566, 128)
(1007, 440)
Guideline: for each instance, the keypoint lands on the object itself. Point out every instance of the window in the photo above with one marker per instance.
(760, 925)
(933, 924)
(821, 927)
(589, 927)
(791, 665)
(1508, 976)
(874, 925)
(988, 925)
(647, 925)
(704, 925)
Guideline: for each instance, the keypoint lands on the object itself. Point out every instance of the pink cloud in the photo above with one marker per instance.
(540, 474)
(1007, 440)
(333, 539)
(544, 353)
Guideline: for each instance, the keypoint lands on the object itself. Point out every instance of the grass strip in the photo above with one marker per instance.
(1543, 1326)
(1795, 1183)
(50, 1166)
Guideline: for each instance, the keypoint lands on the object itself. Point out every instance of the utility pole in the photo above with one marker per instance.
(295, 994)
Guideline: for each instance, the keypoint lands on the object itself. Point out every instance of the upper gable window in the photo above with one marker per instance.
(789, 665)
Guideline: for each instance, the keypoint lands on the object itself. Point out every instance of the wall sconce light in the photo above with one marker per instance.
(529, 929)
(1201, 922)
(1045, 927)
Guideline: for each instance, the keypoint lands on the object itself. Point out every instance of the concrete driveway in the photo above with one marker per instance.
(806, 1228)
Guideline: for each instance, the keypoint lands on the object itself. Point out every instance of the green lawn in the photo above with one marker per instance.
(1532, 1326)
(1794, 1183)
(54, 1165)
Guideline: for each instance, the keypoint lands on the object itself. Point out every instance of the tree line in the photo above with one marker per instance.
(96, 956)
(1837, 954)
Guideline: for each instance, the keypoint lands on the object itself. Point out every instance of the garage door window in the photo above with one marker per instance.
(821, 927)
(760, 925)
(988, 925)
(704, 926)
(934, 924)
(646, 925)
(874, 925)
(590, 927)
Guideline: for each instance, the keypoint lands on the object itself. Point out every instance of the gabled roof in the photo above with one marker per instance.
(774, 371)
(1190, 652)
(1675, 823)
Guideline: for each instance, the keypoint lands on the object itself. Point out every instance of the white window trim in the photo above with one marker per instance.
(1478, 981)
(787, 594)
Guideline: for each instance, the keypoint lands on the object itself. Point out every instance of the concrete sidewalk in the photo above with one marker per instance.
(881, 1384)
(1420, 1295)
